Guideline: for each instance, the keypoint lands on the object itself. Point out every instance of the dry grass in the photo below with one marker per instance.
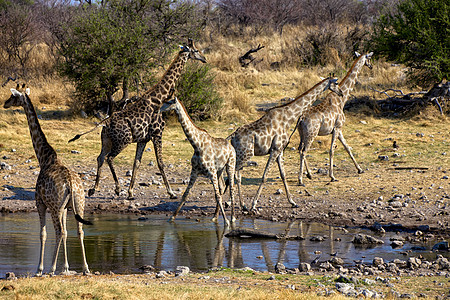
(215, 285)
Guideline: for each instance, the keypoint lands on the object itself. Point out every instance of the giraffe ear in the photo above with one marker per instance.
(27, 91)
(16, 93)
(357, 54)
(369, 55)
(322, 78)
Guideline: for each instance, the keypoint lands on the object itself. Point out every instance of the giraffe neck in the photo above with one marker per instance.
(45, 154)
(161, 90)
(192, 132)
(296, 108)
(349, 80)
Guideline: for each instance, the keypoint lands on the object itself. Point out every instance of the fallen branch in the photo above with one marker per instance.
(397, 93)
(247, 58)
(410, 168)
(251, 233)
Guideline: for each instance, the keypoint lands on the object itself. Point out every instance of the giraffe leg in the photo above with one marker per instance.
(80, 233)
(333, 140)
(137, 162)
(106, 148)
(230, 171)
(110, 160)
(349, 151)
(41, 208)
(192, 179)
(263, 180)
(157, 144)
(283, 177)
(218, 197)
(303, 148)
(57, 223)
(238, 177)
(64, 243)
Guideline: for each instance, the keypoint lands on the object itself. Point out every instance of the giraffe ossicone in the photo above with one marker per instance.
(57, 188)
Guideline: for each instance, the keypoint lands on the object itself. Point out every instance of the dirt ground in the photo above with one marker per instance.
(412, 199)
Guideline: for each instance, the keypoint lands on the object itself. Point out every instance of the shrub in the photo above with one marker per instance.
(196, 89)
(416, 34)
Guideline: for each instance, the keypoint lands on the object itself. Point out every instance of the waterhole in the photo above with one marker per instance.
(123, 244)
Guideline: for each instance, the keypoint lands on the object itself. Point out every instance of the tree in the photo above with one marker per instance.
(18, 37)
(417, 34)
(111, 46)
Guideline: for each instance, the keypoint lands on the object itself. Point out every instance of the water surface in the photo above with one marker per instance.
(122, 244)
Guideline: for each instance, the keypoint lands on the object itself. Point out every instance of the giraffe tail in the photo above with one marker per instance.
(81, 134)
(75, 207)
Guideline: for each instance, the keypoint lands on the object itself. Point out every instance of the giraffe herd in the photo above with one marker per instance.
(58, 188)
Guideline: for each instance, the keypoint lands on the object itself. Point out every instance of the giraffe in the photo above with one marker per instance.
(140, 122)
(211, 156)
(328, 118)
(57, 188)
(269, 135)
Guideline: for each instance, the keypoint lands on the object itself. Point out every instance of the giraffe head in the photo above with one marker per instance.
(193, 51)
(333, 86)
(172, 104)
(18, 97)
(366, 58)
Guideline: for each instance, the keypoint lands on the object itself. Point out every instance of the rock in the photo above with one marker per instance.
(279, 192)
(441, 246)
(147, 268)
(280, 268)
(161, 274)
(129, 173)
(363, 239)
(377, 261)
(400, 263)
(5, 166)
(305, 267)
(414, 263)
(327, 266)
(317, 238)
(337, 261)
(346, 289)
(383, 157)
(252, 164)
(10, 276)
(443, 263)
(182, 271)
(396, 244)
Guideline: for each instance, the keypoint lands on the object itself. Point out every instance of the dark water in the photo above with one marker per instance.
(122, 244)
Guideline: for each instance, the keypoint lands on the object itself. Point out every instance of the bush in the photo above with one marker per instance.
(196, 89)
(416, 34)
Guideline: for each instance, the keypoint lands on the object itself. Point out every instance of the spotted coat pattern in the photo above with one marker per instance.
(57, 188)
(270, 135)
(140, 122)
(211, 157)
(328, 118)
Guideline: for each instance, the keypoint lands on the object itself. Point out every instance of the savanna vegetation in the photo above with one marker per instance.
(97, 52)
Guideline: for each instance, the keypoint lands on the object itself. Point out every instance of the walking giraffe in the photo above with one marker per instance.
(140, 122)
(269, 135)
(211, 156)
(328, 118)
(57, 187)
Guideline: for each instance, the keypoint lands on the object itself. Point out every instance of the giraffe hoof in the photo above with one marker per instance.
(295, 205)
(309, 176)
(360, 171)
(244, 208)
(301, 184)
(91, 192)
(173, 196)
(130, 198)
